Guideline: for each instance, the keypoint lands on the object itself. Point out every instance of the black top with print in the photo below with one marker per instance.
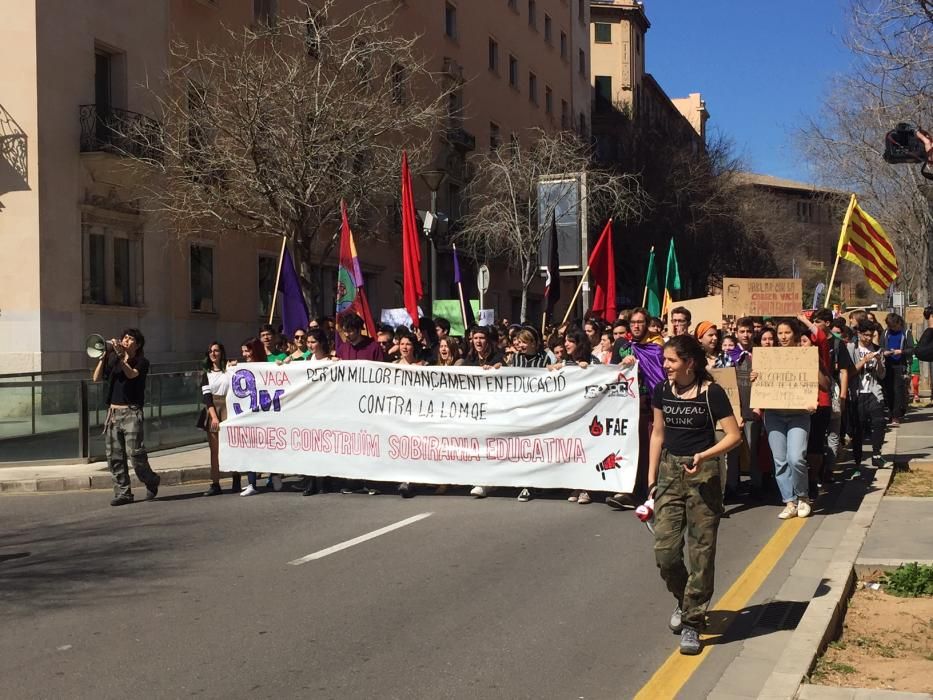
(688, 425)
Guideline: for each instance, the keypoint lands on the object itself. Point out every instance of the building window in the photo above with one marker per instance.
(582, 124)
(265, 12)
(548, 28)
(513, 72)
(513, 145)
(548, 100)
(112, 265)
(533, 87)
(493, 55)
(804, 212)
(603, 32)
(582, 62)
(603, 85)
(268, 265)
(563, 45)
(494, 136)
(450, 20)
(532, 14)
(581, 10)
(513, 5)
(564, 115)
(638, 42)
(398, 84)
(202, 278)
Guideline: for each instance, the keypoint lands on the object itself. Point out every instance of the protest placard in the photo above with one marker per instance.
(746, 296)
(450, 309)
(788, 378)
(436, 425)
(725, 377)
(703, 309)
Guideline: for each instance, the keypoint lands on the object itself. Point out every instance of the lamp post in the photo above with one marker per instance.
(433, 179)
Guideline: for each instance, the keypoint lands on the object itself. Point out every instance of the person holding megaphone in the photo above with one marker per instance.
(124, 367)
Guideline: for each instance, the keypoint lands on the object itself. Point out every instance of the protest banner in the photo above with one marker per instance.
(397, 317)
(450, 309)
(573, 428)
(703, 309)
(761, 297)
(725, 377)
(788, 378)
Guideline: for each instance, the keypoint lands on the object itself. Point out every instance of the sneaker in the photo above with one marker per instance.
(583, 498)
(790, 511)
(877, 461)
(152, 490)
(310, 491)
(524, 496)
(803, 509)
(122, 500)
(276, 482)
(478, 491)
(405, 490)
(574, 496)
(370, 491)
(347, 490)
(620, 501)
(689, 641)
(675, 623)
(250, 490)
(214, 490)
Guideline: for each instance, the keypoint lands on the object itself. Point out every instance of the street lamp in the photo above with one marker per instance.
(433, 179)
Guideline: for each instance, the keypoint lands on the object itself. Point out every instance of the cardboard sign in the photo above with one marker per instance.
(788, 378)
(702, 309)
(746, 296)
(725, 377)
(450, 309)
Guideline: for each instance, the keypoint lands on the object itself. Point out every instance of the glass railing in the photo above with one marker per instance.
(57, 417)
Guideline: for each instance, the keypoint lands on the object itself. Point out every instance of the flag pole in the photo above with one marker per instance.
(842, 233)
(644, 297)
(575, 295)
(278, 276)
(463, 313)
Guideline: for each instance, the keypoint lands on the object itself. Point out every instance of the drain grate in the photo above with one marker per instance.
(781, 615)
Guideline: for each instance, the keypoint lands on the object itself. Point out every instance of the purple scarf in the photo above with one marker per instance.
(736, 354)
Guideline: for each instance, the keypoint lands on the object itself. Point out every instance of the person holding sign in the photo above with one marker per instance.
(788, 436)
(870, 369)
(685, 483)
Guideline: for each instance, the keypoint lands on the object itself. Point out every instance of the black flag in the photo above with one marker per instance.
(552, 279)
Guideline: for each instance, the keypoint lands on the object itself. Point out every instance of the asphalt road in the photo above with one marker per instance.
(189, 596)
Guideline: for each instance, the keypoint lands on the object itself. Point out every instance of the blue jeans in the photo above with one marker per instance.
(788, 432)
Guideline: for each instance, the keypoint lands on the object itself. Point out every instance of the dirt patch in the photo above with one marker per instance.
(918, 481)
(886, 643)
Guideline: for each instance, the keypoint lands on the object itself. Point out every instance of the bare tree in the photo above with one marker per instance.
(892, 41)
(507, 219)
(265, 131)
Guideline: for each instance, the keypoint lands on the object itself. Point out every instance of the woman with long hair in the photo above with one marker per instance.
(251, 350)
(409, 350)
(215, 384)
(788, 436)
(604, 350)
(448, 352)
(318, 351)
(484, 349)
(684, 481)
(897, 347)
(767, 338)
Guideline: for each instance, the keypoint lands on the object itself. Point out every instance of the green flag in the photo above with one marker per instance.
(652, 288)
(671, 279)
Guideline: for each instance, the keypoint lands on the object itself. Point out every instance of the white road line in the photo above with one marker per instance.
(359, 540)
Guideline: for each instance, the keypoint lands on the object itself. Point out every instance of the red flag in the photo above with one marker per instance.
(351, 297)
(602, 266)
(411, 246)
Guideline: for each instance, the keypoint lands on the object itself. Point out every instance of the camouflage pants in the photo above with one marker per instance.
(688, 505)
(123, 440)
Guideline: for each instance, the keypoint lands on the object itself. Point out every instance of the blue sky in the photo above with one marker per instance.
(762, 66)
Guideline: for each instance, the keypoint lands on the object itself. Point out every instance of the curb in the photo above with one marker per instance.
(821, 620)
(95, 482)
(819, 692)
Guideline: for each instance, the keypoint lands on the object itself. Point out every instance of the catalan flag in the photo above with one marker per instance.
(863, 241)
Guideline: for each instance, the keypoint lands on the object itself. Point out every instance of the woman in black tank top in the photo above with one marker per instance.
(685, 482)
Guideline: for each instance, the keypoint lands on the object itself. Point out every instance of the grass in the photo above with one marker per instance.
(908, 482)
(909, 581)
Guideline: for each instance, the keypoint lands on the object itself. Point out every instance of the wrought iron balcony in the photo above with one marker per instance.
(120, 131)
(13, 146)
(459, 138)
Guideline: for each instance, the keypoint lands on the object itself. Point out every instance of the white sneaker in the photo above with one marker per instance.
(250, 490)
(478, 491)
(524, 496)
(276, 482)
(803, 509)
(790, 511)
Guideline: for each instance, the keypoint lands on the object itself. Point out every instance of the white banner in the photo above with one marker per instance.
(573, 428)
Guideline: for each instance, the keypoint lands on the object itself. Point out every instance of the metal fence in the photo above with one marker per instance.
(60, 415)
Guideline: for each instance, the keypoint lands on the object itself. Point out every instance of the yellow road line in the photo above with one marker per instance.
(677, 669)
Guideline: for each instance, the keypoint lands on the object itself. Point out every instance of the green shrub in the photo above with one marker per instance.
(910, 580)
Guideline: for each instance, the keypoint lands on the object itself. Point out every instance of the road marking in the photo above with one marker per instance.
(359, 540)
(674, 673)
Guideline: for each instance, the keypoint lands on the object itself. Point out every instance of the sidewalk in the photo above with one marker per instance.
(864, 531)
(178, 466)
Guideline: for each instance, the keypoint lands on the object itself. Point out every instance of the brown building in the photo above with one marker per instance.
(82, 255)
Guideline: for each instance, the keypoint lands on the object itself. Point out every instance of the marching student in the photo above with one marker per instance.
(870, 370)
(684, 480)
(897, 348)
(680, 321)
(251, 350)
(318, 351)
(215, 384)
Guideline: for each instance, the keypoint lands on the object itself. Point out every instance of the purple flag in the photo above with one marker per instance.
(294, 310)
(650, 357)
(457, 279)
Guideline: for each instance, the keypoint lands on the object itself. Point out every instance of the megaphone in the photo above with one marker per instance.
(95, 346)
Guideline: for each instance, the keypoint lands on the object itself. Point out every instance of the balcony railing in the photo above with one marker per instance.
(460, 138)
(13, 145)
(121, 132)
